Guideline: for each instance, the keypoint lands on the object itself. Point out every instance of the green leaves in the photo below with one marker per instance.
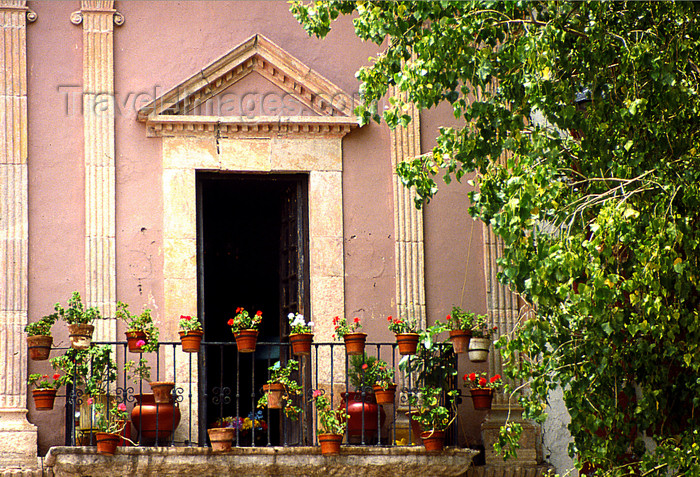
(597, 202)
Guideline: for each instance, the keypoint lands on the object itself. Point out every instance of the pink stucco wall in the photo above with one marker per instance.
(161, 44)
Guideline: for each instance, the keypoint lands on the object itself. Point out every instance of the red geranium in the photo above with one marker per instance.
(481, 381)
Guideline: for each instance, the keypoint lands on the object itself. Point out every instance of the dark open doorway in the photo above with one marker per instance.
(252, 243)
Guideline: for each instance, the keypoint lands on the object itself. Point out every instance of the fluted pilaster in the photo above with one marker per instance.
(408, 225)
(17, 436)
(98, 19)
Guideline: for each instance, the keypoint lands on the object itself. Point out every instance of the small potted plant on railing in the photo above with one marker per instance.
(480, 342)
(433, 417)
(482, 388)
(406, 335)
(384, 385)
(282, 387)
(141, 333)
(162, 390)
(191, 333)
(79, 320)
(332, 423)
(39, 339)
(245, 329)
(45, 391)
(354, 340)
(300, 334)
(460, 323)
(109, 422)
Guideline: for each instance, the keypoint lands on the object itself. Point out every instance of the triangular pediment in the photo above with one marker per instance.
(306, 101)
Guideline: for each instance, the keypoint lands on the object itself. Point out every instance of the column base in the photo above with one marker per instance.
(18, 441)
(530, 451)
(510, 470)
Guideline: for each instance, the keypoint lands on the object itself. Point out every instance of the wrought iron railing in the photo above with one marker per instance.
(220, 382)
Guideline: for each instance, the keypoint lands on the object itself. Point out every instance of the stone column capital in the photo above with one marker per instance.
(97, 7)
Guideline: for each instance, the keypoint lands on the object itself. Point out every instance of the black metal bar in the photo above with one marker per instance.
(189, 397)
(174, 396)
(290, 435)
(238, 394)
(252, 399)
(393, 413)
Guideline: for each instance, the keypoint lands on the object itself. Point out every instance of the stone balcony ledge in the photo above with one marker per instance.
(258, 461)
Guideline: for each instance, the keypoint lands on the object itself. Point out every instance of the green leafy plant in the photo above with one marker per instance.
(482, 328)
(140, 370)
(76, 313)
(361, 371)
(430, 412)
(143, 322)
(283, 375)
(244, 321)
(402, 325)
(579, 134)
(111, 418)
(41, 327)
(42, 381)
(434, 364)
(189, 323)
(342, 327)
(382, 374)
(460, 319)
(331, 421)
(297, 324)
(93, 368)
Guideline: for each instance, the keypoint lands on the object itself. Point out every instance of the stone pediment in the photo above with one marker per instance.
(304, 101)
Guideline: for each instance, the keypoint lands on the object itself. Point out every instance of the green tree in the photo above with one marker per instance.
(581, 133)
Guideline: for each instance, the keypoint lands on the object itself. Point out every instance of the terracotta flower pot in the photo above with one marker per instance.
(385, 396)
(221, 438)
(39, 347)
(482, 399)
(191, 340)
(153, 420)
(43, 399)
(274, 395)
(408, 343)
(80, 335)
(301, 343)
(162, 391)
(479, 349)
(133, 337)
(246, 340)
(460, 340)
(106, 442)
(434, 441)
(416, 428)
(357, 406)
(355, 343)
(330, 443)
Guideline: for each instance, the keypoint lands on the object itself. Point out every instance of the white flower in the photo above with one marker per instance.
(290, 316)
(298, 321)
(311, 324)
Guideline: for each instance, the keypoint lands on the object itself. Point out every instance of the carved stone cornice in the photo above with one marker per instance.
(259, 126)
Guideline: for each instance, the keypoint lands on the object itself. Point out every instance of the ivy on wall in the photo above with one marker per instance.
(596, 107)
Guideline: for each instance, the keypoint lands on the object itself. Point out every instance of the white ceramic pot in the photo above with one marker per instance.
(479, 349)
